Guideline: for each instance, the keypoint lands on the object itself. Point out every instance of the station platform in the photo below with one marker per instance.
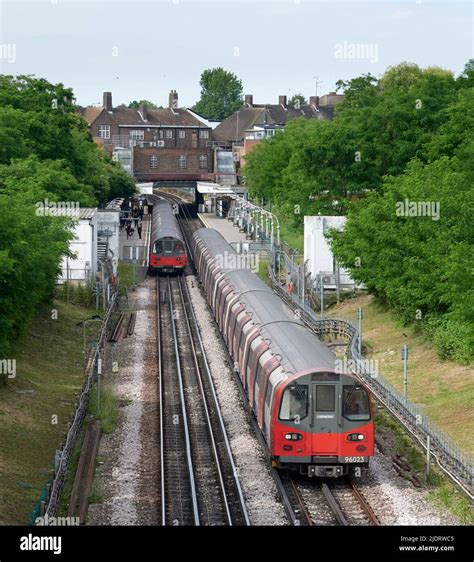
(140, 254)
(226, 228)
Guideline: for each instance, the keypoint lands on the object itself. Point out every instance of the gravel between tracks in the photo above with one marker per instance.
(128, 477)
(258, 486)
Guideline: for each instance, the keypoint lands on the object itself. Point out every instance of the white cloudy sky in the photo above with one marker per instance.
(143, 49)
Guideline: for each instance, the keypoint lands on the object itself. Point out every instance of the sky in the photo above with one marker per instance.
(142, 50)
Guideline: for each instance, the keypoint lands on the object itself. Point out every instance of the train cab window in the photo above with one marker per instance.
(294, 403)
(325, 397)
(158, 247)
(168, 246)
(178, 248)
(355, 403)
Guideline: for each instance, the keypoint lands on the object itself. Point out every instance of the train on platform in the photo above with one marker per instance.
(167, 248)
(315, 417)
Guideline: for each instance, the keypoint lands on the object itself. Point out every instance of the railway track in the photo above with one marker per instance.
(342, 502)
(199, 480)
(321, 503)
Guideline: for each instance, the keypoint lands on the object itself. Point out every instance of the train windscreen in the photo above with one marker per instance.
(355, 403)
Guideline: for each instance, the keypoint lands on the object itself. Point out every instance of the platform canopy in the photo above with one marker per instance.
(210, 188)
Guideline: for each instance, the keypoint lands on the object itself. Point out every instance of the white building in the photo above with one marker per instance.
(318, 254)
(108, 221)
(83, 246)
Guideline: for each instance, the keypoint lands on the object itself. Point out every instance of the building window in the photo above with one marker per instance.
(169, 134)
(161, 133)
(153, 161)
(104, 131)
(204, 134)
(203, 162)
(182, 162)
(137, 134)
(182, 134)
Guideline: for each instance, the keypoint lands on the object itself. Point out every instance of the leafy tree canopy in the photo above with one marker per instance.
(142, 103)
(221, 94)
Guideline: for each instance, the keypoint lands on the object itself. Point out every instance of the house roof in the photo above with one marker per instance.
(124, 116)
(234, 127)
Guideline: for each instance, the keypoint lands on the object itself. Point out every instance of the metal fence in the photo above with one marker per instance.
(457, 464)
(63, 455)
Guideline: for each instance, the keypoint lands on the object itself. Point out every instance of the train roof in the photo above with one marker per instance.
(164, 221)
(299, 348)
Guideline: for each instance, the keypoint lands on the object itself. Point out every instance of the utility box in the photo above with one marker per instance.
(319, 256)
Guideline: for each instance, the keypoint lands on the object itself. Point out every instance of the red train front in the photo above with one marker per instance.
(322, 424)
(167, 251)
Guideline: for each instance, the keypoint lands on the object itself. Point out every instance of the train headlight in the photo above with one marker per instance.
(179, 258)
(293, 436)
(356, 437)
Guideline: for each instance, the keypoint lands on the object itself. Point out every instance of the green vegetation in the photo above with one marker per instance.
(108, 412)
(46, 155)
(221, 94)
(441, 490)
(437, 386)
(398, 160)
(125, 274)
(142, 103)
(49, 377)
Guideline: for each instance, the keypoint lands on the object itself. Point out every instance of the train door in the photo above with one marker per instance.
(325, 418)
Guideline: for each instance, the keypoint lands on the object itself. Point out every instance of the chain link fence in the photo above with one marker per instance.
(49, 505)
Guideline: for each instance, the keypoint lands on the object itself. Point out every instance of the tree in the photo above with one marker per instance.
(297, 101)
(142, 103)
(221, 94)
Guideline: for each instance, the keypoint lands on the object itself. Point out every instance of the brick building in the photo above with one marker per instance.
(254, 122)
(166, 144)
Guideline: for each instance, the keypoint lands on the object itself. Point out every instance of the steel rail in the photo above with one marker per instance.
(228, 449)
(183, 409)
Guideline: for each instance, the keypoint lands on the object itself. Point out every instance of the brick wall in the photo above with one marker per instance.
(168, 163)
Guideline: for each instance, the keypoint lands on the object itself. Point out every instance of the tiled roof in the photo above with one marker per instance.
(235, 125)
(127, 116)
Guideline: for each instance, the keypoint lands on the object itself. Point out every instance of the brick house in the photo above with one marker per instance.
(166, 144)
(242, 130)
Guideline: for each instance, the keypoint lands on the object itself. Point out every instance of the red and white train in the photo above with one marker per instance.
(313, 417)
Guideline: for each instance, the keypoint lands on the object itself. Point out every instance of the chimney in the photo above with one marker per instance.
(173, 99)
(249, 100)
(282, 100)
(107, 101)
(314, 101)
(143, 112)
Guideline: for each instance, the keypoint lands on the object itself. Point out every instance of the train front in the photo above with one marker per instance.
(323, 424)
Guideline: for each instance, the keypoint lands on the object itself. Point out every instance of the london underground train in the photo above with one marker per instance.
(167, 251)
(314, 418)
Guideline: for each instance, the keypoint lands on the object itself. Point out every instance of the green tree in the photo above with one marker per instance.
(145, 103)
(221, 94)
(297, 101)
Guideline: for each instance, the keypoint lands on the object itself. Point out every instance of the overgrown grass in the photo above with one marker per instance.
(440, 489)
(50, 364)
(108, 411)
(125, 274)
(443, 389)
